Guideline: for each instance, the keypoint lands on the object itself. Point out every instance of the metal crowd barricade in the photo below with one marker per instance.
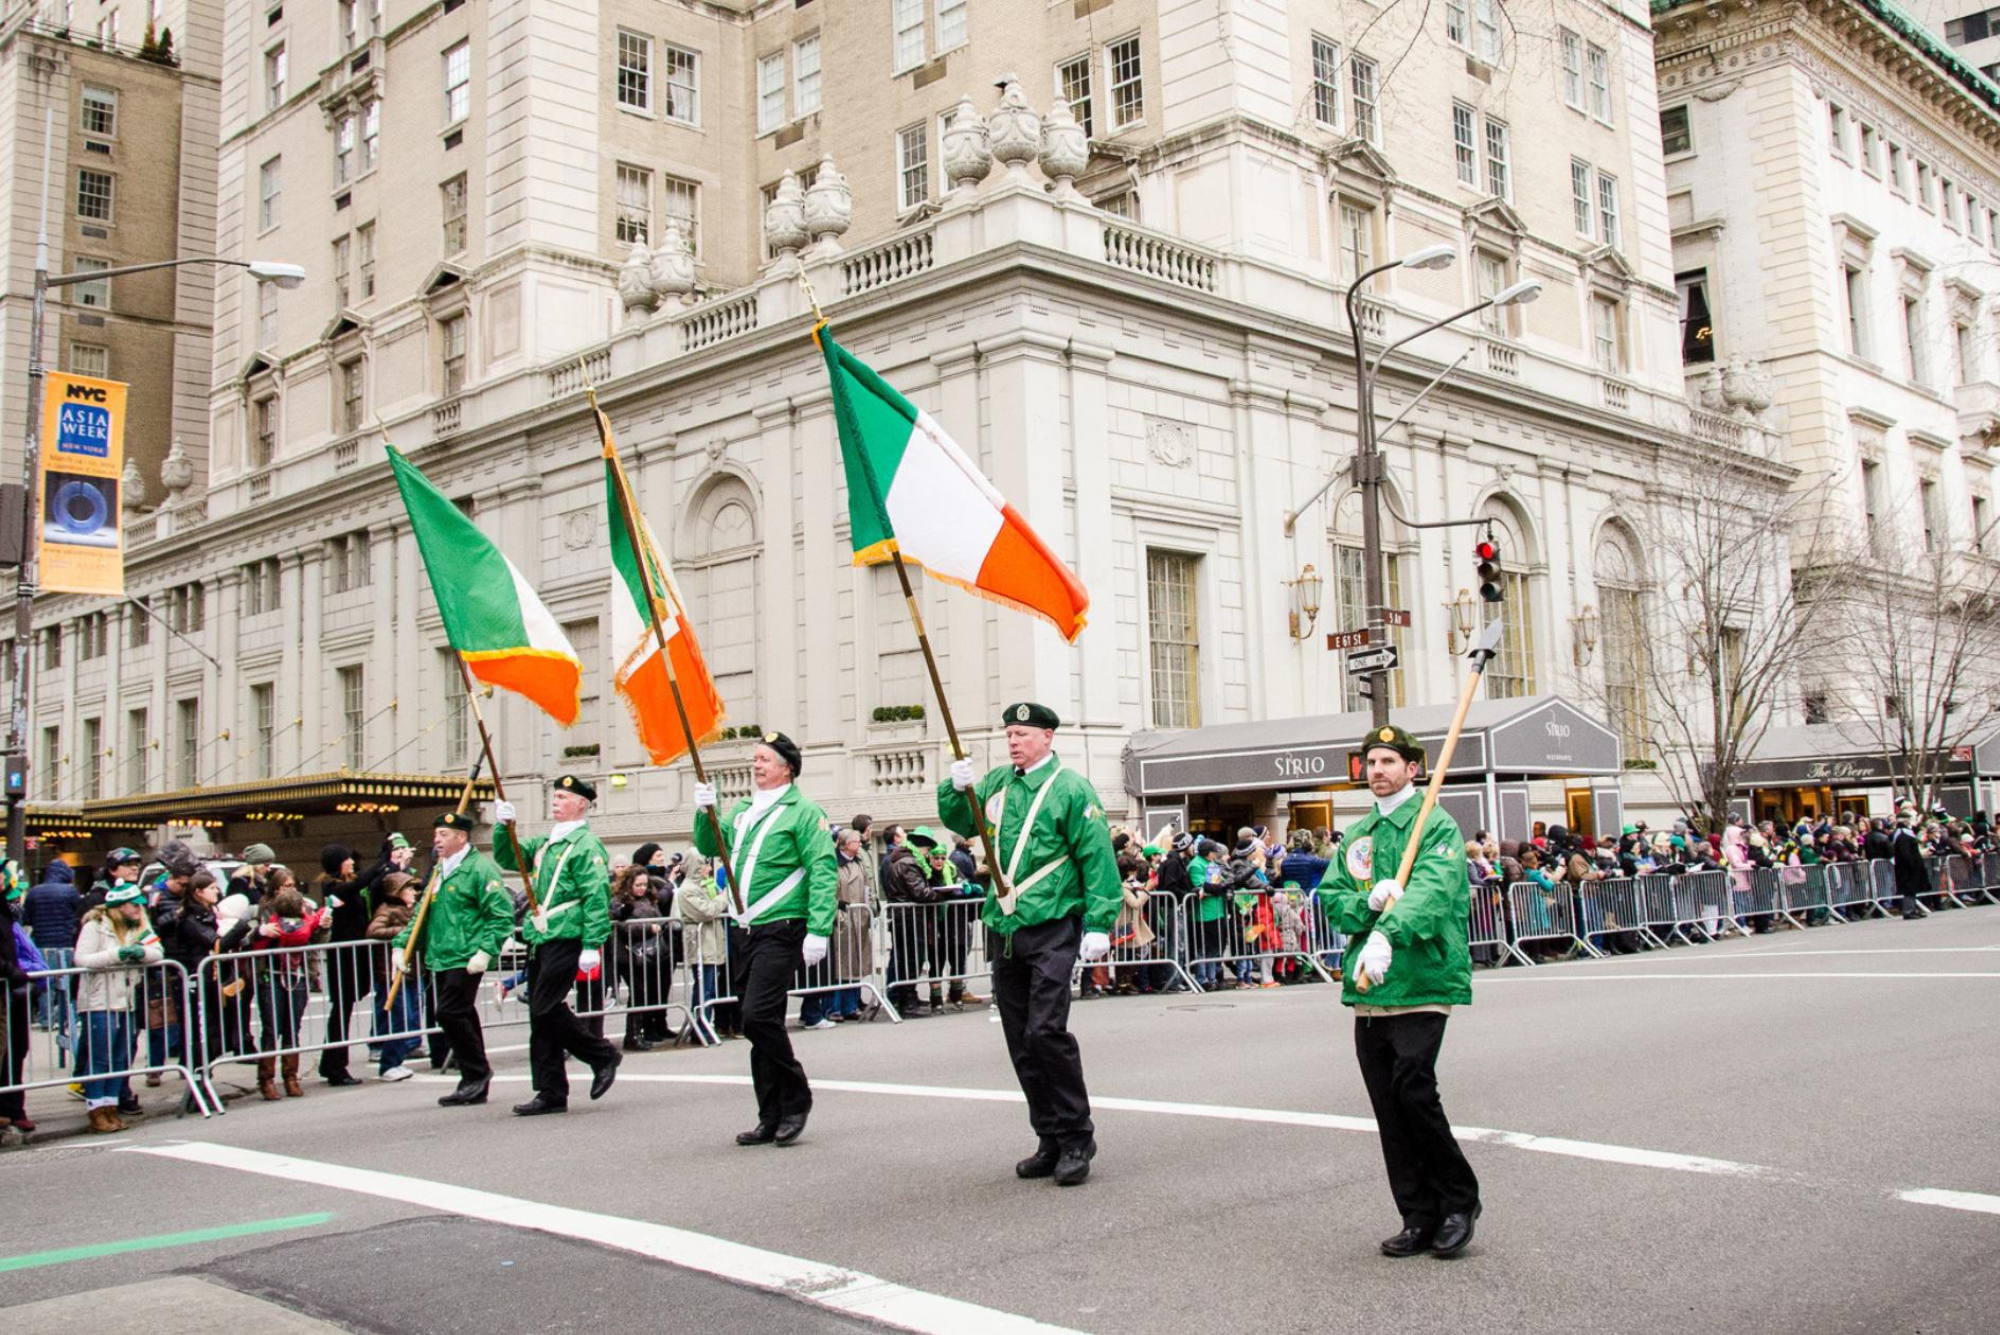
(1163, 956)
(1701, 899)
(42, 1063)
(1882, 879)
(1620, 908)
(1660, 921)
(930, 946)
(1802, 895)
(1248, 941)
(1543, 915)
(1846, 888)
(1486, 932)
(640, 965)
(1974, 876)
(1761, 902)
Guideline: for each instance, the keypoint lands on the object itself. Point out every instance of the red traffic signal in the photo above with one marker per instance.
(1488, 552)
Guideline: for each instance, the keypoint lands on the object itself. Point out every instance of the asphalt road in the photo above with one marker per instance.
(1709, 1139)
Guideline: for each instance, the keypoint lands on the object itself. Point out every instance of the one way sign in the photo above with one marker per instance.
(1375, 658)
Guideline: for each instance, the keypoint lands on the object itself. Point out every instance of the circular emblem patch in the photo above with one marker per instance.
(1021, 713)
(994, 808)
(770, 739)
(1386, 735)
(1361, 857)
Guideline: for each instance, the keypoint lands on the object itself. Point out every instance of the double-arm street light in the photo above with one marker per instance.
(1368, 469)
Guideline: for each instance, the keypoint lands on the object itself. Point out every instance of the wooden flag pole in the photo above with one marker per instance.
(430, 892)
(499, 792)
(628, 515)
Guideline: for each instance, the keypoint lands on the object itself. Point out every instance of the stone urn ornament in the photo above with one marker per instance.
(1710, 396)
(968, 150)
(1065, 152)
(132, 486)
(673, 266)
(1015, 129)
(177, 470)
(785, 219)
(1746, 387)
(635, 283)
(829, 208)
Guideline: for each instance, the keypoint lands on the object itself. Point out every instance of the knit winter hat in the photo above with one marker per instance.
(179, 859)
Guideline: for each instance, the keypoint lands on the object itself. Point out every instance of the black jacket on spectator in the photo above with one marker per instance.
(904, 880)
(192, 935)
(1913, 877)
(246, 883)
(968, 866)
(1174, 878)
(1876, 845)
(350, 920)
(53, 909)
(1303, 868)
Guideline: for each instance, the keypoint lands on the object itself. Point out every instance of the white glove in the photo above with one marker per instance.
(1374, 961)
(477, 964)
(704, 796)
(541, 921)
(588, 960)
(1096, 945)
(398, 960)
(503, 812)
(1386, 892)
(961, 774)
(815, 951)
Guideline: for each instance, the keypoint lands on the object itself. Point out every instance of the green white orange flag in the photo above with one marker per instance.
(911, 488)
(492, 617)
(642, 677)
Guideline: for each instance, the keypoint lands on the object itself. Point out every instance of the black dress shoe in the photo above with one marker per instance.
(1073, 1166)
(539, 1106)
(789, 1129)
(340, 1078)
(466, 1095)
(1042, 1163)
(1409, 1242)
(636, 1043)
(1454, 1233)
(761, 1134)
(602, 1077)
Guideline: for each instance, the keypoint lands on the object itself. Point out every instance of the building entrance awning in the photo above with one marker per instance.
(1846, 755)
(1536, 736)
(338, 793)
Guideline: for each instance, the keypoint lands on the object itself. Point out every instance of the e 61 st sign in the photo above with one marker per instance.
(1337, 640)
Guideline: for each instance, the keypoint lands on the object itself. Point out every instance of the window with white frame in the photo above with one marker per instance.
(913, 167)
(95, 294)
(1570, 47)
(274, 77)
(1968, 352)
(1499, 176)
(95, 193)
(1073, 86)
(1597, 61)
(353, 715)
(353, 394)
(1871, 144)
(1174, 638)
(1492, 279)
(1361, 85)
(457, 82)
(681, 200)
(635, 70)
(1486, 30)
(1896, 167)
(1948, 202)
(343, 149)
(950, 24)
(1607, 334)
(770, 92)
(264, 721)
(263, 430)
(267, 315)
(270, 194)
(371, 134)
(452, 197)
(1464, 147)
(348, 11)
(682, 69)
(1128, 88)
(1357, 238)
(1677, 134)
(1913, 338)
(100, 111)
(909, 26)
(1582, 212)
(805, 76)
(1924, 185)
(451, 354)
(88, 359)
(364, 259)
(1836, 129)
(1697, 318)
(1854, 282)
(1607, 209)
(1326, 81)
(633, 187)
(1456, 30)
(343, 266)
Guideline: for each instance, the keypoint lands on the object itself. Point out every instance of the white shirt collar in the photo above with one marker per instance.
(760, 798)
(1385, 805)
(450, 864)
(1047, 759)
(565, 828)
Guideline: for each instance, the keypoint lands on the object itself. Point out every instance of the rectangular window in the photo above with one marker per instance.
(1464, 149)
(267, 315)
(263, 431)
(1625, 640)
(1836, 129)
(1511, 674)
(1697, 321)
(138, 741)
(187, 738)
(1357, 239)
(456, 715)
(1968, 354)
(805, 74)
(682, 200)
(270, 194)
(634, 187)
(88, 359)
(274, 77)
(1326, 81)
(1934, 531)
(95, 294)
(913, 173)
(349, 32)
(1174, 639)
(94, 191)
(1128, 90)
(1572, 68)
(1498, 179)
(909, 24)
(635, 70)
(140, 622)
(1913, 339)
(93, 759)
(950, 24)
(1607, 345)
(371, 135)
(1896, 166)
(264, 725)
(1979, 522)
(357, 562)
(1870, 150)
(457, 82)
(1073, 87)
(364, 252)
(683, 84)
(52, 647)
(353, 716)
(1456, 30)
(1857, 310)
(343, 252)
(1607, 209)
(1974, 217)
(343, 150)
(770, 92)
(1871, 500)
(1947, 201)
(1581, 211)
(451, 352)
(1486, 30)
(1361, 80)
(1676, 133)
(1598, 63)
(100, 111)
(1923, 185)
(1350, 603)
(352, 398)
(1492, 277)
(453, 200)
(51, 777)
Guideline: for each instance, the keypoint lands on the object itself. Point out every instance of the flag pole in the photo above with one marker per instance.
(430, 888)
(499, 792)
(628, 515)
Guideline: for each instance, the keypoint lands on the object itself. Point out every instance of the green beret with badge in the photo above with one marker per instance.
(454, 820)
(569, 783)
(1396, 739)
(1030, 715)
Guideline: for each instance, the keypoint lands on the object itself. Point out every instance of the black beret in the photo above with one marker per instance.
(1396, 739)
(1030, 714)
(787, 749)
(569, 783)
(454, 820)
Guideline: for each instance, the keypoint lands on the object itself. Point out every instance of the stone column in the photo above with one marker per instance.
(961, 634)
(1096, 530)
(1024, 373)
(227, 712)
(310, 756)
(779, 665)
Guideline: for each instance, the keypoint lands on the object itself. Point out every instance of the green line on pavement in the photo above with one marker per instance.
(97, 1249)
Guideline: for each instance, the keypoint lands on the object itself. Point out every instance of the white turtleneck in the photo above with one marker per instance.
(1385, 805)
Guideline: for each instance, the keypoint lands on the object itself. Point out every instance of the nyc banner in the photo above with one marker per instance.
(83, 454)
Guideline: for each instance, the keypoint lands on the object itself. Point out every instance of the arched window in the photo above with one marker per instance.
(717, 569)
(1350, 598)
(1621, 637)
(1512, 671)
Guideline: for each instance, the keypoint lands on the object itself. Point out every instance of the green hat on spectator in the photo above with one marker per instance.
(396, 840)
(1151, 850)
(123, 894)
(1630, 829)
(924, 837)
(259, 853)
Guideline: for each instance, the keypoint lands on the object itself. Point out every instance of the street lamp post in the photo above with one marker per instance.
(284, 275)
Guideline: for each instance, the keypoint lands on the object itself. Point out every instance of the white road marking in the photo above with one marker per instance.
(1775, 952)
(1565, 976)
(850, 1292)
(1952, 1200)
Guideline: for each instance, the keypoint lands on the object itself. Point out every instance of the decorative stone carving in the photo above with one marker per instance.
(1065, 152)
(673, 265)
(785, 219)
(177, 470)
(968, 150)
(132, 485)
(1747, 388)
(635, 282)
(829, 207)
(579, 529)
(1015, 128)
(1710, 394)
(1171, 443)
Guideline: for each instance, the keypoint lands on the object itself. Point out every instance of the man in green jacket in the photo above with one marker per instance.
(1408, 941)
(779, 847)
(464, 927)
(572, 878)
(1063, 897)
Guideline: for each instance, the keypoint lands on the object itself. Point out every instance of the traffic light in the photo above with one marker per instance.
(17, 776)
(1488, 552)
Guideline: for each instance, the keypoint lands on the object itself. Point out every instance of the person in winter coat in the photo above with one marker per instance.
(397, 896)
(248, 879)
(906, 881)
(17, 961)
(1301, 864)
(121, 867)
(349, 975)
(1172, 879)
(853, 942)
(53, 910)
(1913, 875)
(189, 937)
(284, 925)
(704, 911)
(115, 941)
(641, 954)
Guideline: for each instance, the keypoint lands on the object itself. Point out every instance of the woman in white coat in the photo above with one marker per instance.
(116, 943)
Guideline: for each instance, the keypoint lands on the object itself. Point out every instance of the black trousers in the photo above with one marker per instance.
(457, 1014)
(762, 973)
(1428, 1175)
(14, 1007)
(553, 1028)
(349, 977)
(1031, 974)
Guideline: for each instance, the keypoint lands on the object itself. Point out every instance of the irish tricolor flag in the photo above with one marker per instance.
(910, 487)
(494, 620)
(644, 585)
